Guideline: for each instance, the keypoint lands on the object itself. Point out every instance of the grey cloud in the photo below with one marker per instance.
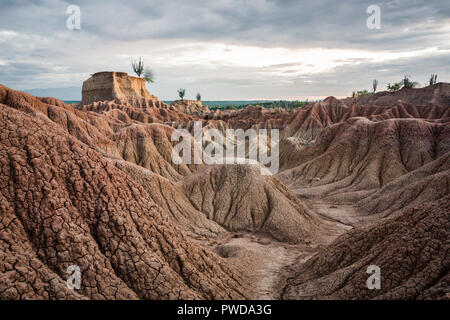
(44, 49)
(288, 23)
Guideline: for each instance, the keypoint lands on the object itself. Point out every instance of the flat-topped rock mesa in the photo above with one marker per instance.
(194, 107)
(116, 86)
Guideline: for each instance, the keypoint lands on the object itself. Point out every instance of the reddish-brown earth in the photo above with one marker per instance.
(108, 85)
(411, 250)
(63, 204)
(362, 182)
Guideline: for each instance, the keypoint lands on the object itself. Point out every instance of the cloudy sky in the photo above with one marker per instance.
(226, 49)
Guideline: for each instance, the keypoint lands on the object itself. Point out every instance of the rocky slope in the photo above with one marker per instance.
(412, 251)
(434, 95)
(239, 198)
(194, 107)
(63, 204)
(362, 181)
(359, 156)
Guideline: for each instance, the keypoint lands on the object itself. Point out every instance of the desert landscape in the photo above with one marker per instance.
(225, 159)
(362, 181)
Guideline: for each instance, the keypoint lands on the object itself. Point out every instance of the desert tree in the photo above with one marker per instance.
(407, 83)
(181, 93)
(199, 96)
(433, 79)
(375, 85)
(138, 66)
(394, 87)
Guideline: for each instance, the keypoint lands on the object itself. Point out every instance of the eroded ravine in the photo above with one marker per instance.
(266, 262)
(274, 259)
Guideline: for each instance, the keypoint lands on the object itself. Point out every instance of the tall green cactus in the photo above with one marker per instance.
(433, 79)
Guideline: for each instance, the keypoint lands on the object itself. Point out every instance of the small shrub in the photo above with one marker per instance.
(149, 75)
(394, 87)
(359, 93)
(408, 83)
(181, 93)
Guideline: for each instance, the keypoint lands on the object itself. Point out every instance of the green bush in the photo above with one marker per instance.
(356, 94)
(149, 75)
(181, 93)
(394, 87)
(408, 83)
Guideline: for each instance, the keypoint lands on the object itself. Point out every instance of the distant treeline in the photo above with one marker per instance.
(235, 105)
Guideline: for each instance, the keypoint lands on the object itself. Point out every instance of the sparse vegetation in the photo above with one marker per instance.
(288, 105)
(394, 87)
(356, 94)
(404, 83)
(181, 93)
(199, 96)
(149, 75)
(408, 83)
(138, 66)
(284, 104)
(375, 85)
(433, 79)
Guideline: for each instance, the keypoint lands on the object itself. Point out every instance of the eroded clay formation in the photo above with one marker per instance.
(362, 182)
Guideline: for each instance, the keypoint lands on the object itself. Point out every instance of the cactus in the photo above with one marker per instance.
(138, 67)
(433, 79)
(375, 85)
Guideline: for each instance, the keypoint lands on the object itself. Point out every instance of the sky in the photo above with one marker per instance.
(225, 49)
